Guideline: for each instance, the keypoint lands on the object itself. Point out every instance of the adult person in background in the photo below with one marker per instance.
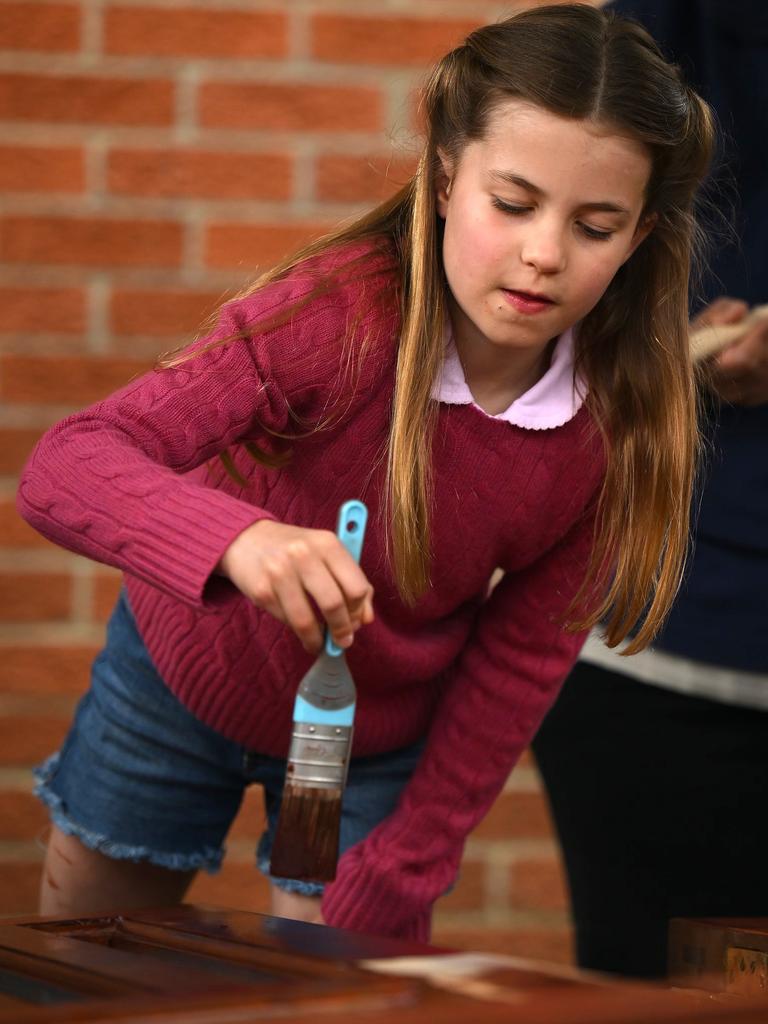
(656, 765)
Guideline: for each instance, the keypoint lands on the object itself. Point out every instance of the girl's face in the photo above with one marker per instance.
(539, 216)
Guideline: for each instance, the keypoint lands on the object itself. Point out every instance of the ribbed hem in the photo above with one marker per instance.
(358, 912)
(364, 900)
(190, 532)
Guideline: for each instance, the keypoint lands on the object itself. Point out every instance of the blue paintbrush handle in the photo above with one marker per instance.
(350, 529)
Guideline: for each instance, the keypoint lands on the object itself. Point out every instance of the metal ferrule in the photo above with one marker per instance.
(319, 755)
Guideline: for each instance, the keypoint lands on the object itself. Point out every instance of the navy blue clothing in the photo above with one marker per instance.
(656, 796)
(653, 791)
(720, 615)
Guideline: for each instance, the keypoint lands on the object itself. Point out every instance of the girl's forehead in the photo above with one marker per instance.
(523, 137)
(511, 118)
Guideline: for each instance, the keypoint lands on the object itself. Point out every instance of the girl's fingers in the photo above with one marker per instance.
(724, 310)
(296, 611)
(335, 582)
(338, 608)
(283, 569)
(353, 583)
(294, 589)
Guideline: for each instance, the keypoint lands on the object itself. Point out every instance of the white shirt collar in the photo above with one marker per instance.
(552, 401)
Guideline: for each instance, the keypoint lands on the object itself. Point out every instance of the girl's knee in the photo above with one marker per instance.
(77, 880)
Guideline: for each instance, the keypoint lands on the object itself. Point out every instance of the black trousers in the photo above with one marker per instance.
(661, 804)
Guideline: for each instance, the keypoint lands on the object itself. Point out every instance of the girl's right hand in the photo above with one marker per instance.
(280, 568)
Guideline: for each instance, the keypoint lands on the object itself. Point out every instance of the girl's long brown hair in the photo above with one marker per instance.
(632, 349)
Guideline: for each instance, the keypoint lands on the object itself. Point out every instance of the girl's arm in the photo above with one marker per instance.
(505, 680)
(109, 482)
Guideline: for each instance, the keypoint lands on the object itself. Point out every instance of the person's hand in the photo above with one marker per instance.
(284, 568)
(739, 373)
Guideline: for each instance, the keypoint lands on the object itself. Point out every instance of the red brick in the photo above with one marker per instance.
(237, 885)
(28, 597)
(516, 816)
(92, 241)
(256, 245)
(195, 32)
(22, 815)
(41, 169)
(105, 591)
(290, 108)
(37, 670)
(469, 893)
(173, 172)
(15, 446)
(538, 884)
(19, 887)
(25, 741)
(14, 532)
(60, 310)
(161, 313)
(87, 99)
(359, 178)
(49, 27)
(65, 380)
(249, 823)
(349, 39)
(554, 944)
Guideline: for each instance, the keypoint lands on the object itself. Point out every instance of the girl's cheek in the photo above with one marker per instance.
(604, 274)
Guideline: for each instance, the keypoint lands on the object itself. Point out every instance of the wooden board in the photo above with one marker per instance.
(202, 965)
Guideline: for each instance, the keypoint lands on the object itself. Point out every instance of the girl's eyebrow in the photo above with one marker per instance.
(508, 178)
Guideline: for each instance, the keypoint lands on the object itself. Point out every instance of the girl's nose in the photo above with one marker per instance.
(543, 249)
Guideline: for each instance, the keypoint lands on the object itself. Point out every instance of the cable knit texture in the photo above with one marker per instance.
(134, 482)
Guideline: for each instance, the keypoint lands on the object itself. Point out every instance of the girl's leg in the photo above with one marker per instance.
(142, 793)
(295, 906)
(77, 880)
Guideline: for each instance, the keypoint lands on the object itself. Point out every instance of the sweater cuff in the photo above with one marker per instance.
(189, 535)
(363, 900)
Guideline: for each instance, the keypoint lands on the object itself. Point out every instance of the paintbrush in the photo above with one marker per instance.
(306, 842)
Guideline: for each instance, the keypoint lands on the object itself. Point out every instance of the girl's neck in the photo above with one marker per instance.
(496, 375)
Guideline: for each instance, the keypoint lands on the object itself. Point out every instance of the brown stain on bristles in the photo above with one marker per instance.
(306, 845)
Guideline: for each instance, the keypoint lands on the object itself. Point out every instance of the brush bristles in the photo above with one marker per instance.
(306, 845)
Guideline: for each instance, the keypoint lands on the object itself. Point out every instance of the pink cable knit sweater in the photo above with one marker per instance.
(133, 482)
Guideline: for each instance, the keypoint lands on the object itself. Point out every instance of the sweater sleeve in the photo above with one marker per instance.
(109, 482)
(499, 690)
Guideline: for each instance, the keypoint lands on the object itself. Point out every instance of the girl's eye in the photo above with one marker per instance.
(595, 233)
(509, 207)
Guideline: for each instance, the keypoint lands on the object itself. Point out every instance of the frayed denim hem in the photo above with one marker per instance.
(209, 860)
(292, 885)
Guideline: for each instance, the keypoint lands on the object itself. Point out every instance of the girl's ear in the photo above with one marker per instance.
(443, 180)
(643, 229)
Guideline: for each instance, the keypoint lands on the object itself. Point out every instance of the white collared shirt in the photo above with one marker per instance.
(553, 400)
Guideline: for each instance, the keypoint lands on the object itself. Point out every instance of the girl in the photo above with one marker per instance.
(495, 361)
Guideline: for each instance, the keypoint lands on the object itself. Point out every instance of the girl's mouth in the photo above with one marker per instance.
(524, 302)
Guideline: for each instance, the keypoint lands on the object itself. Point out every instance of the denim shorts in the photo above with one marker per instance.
(141, 778)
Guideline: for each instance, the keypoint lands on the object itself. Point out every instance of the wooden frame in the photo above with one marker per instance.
(202, 965)
(177, 963)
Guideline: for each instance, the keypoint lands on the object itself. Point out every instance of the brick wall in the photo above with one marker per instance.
(153, 154)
